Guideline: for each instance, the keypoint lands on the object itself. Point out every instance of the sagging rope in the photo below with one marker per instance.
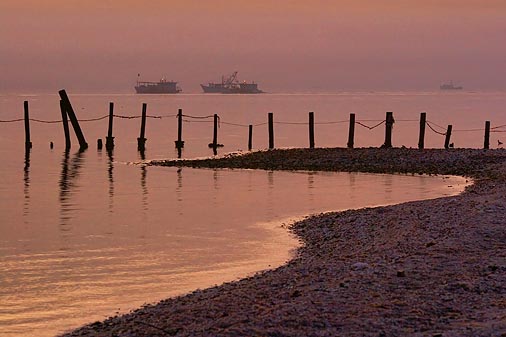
(369, 127)
(438, 132)
(198, 117)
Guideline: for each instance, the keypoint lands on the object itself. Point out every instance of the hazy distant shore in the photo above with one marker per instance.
(423, 268)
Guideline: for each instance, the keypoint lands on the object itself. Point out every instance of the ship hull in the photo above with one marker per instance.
(216, 89)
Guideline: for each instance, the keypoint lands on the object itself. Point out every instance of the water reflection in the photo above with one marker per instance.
(179, 191)
(26, 180)
(110, 178)
(70, 171)
(144, 186)
(310, 186)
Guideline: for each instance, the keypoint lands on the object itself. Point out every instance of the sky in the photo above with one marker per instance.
(285, 46)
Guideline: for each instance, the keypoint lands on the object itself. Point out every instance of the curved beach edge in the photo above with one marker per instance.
(424, 268)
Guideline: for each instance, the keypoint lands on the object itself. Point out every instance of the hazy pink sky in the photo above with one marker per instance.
(100, 46)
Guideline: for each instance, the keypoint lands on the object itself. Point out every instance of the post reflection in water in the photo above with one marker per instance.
(179, 190)
(70, 170)
(26, 180)
(110, 177)
(310, 185)
(142, 156)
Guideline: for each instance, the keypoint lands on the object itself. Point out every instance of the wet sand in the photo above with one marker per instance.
(424, 268)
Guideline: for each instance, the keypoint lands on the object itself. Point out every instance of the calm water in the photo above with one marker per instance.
(86, 235)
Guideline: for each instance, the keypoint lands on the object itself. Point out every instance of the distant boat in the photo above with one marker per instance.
(230, 85)
(450, 86)
(161, 87)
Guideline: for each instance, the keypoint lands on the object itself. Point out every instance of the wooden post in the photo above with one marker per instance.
(179, 142)
(28, 143)
(250, 137)
(214, 145)
(389, 123)
(109, 140)
(448, 136)
(141, 141)
(271, 130)
(311, 130)
(421, 137)
(215, 131)
(65, 122)
(486, 144)
(73, 119)
(351, 133)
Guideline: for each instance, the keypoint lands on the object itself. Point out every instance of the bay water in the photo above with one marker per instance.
(86, 235)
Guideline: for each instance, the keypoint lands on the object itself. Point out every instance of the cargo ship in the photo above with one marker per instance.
(230, 85)
(450, 86)
(161, 87)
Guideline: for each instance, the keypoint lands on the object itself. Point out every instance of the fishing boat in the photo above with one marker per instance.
(161, 87)
(231, 85)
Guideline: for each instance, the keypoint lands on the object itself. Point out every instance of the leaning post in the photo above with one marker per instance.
(141, 141)
(28, 143)
(73, 119)
(486, 144)
(421, 137)
(448, 136)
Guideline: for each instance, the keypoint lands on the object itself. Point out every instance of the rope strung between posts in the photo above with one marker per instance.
(136, 117)
(11, 120)
(369, 127)
(234, 124)
(438, 132)
(198, 117)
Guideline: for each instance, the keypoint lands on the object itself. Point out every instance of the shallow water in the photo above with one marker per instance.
(86, 235)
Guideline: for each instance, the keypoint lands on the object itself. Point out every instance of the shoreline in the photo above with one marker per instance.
(423, 268)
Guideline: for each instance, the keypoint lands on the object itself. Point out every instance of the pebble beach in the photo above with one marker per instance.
(423, 268)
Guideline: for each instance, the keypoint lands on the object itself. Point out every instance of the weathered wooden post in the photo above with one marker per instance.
(28, 143)
(389, 123)
(421, 137)
(214, 145)
(351, 132)
(215, 131)
(271, 130)
(486, 144)
(448, 136)
(250, 137)
(141, 141)
(179, 142)
(109, 140)
(65, 122)
(73, 119)
(311, 130)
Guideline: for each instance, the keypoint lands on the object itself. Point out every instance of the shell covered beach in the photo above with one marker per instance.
(423, 268)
